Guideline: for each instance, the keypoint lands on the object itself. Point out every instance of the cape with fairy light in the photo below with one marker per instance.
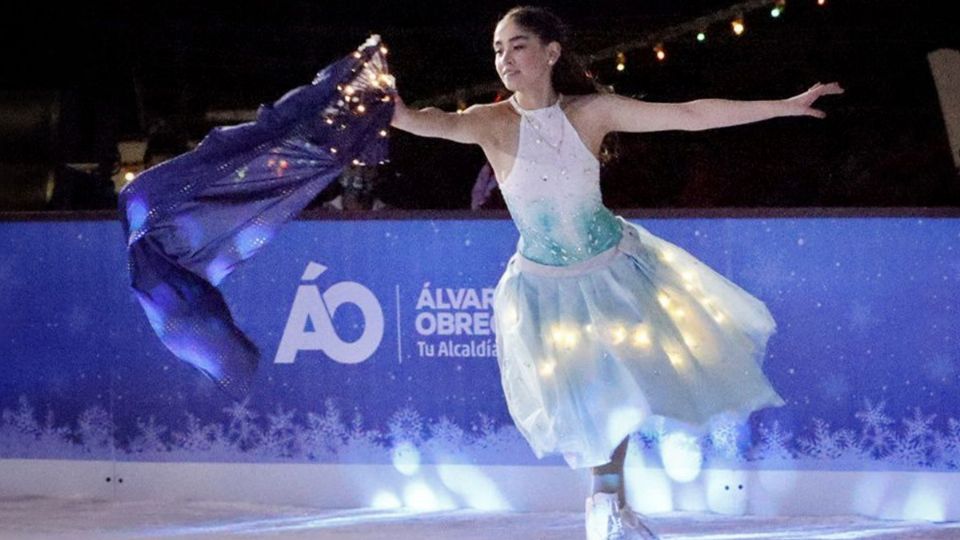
(189, 222)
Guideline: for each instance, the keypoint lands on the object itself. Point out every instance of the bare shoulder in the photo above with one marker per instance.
(582, 102)
(497, 119)
(485, 111)
(493, 111)
(585, 113)
(488, 119)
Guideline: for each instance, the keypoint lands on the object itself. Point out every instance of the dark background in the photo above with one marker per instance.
(126, 71)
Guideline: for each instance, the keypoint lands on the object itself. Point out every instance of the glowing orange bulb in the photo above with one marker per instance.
(738, 27)
(661, 54)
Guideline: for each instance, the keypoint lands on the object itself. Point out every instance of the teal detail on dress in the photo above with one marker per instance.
(556, 240)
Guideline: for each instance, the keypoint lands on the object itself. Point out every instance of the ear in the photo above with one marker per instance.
(553, 52)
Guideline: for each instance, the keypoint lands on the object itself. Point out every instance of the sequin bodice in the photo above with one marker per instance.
(553, 192)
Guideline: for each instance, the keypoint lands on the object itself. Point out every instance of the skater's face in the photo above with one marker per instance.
(521, 58)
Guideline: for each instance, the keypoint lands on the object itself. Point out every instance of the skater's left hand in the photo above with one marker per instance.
(801, 103)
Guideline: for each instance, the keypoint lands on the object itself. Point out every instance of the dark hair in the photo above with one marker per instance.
(569, 75)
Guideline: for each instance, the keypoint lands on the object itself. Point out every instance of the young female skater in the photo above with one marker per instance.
(599, 323)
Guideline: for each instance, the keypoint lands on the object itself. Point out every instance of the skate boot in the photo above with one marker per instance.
(605, 520)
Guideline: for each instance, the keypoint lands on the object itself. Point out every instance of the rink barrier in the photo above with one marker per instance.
(93, 406)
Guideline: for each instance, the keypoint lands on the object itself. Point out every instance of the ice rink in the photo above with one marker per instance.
(48, 518)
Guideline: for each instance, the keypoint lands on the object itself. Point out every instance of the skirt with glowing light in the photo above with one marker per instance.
(588, 352)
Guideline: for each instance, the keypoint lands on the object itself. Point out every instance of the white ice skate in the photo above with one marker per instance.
(606, 520)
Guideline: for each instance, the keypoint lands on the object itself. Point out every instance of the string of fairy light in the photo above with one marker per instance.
(731, 19)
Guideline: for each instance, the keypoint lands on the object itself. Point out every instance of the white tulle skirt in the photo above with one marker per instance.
(589, 352)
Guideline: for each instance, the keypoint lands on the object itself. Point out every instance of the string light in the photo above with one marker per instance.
(733, 15)
(738, 27)
(660, 52)
(564, 337)
(641, 336)
(547, 367)
(778, 8)
(618, 334)
(676, 358)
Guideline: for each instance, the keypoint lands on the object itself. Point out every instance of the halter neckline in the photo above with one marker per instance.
(516, 105)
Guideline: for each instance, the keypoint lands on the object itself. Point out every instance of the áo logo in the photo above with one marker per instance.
(310, 305)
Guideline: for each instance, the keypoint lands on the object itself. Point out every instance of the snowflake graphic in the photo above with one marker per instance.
(23, 419)
(861, 318)
(774, 443)
(947, 445)
(448, 434)
(405, 425)
(835, 386)
(95, 430)
(941, 368)
(826, 444)
(875, 436)
(723, 439)
(242, 430)
(150, 438)
(325, 434)
(915, 446)
(919, 427)
(197, 437)
(280, 435)
(767, 276)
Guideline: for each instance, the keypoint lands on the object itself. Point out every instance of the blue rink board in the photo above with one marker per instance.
(866, 352)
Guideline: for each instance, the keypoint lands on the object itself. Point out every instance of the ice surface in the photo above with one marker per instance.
(47, 518)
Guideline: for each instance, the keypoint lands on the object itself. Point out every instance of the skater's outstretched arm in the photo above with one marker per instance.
(618, 113)
(463, 127)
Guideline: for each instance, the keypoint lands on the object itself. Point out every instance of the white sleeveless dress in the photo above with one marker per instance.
(600, 324)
